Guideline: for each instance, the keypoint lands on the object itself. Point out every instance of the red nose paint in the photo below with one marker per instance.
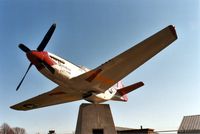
(36, 58)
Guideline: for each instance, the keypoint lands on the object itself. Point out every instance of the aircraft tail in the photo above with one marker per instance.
(123, 91)
(126, 90)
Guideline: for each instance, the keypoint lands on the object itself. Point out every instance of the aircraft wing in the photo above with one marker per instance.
(53, 97)
(112, 71)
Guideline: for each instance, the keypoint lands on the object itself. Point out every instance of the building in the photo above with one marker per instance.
(121, 130)
(190, 125)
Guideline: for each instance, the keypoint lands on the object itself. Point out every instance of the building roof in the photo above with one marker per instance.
(190, 124)
(123, 128)
(132, 130)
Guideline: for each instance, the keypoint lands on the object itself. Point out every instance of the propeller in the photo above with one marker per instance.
(51, 69)
(46, 38)
(40, 48)
(24, 77)
(24, 48)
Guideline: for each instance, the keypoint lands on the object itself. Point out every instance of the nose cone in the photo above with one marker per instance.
(37, 58)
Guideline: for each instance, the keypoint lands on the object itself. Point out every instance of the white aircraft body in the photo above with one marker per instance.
(96, 86)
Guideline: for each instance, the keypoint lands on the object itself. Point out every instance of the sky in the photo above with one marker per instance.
(90, 32)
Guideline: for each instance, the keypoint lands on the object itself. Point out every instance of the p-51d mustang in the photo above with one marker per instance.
(98, 85)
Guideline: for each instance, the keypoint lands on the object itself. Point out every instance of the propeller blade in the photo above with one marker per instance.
(46, 38)
(51, 69)
(24, 76)
(24, 48)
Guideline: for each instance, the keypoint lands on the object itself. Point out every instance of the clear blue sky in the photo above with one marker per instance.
(89, 33)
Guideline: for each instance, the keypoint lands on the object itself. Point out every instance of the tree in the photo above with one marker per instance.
(18, 130)
(5, 129)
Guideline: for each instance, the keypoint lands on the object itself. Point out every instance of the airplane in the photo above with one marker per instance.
(98, 85)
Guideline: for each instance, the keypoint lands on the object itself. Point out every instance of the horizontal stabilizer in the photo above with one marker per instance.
(130, 88)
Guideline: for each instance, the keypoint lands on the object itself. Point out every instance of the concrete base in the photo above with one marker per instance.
(95, 119)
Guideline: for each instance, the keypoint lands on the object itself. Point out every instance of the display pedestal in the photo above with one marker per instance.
(95, 119)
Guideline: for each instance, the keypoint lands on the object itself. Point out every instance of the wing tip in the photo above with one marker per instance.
(20, 108)
(15, 108)
(173, 30)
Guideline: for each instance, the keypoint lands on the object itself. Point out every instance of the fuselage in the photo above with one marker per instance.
(64, 71)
